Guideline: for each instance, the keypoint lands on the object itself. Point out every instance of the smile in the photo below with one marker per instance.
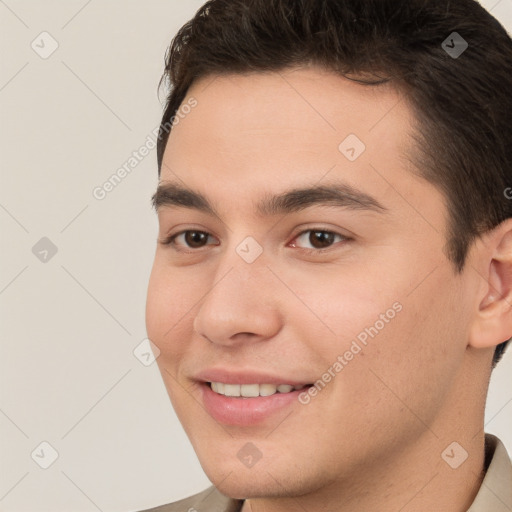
(251, 390)
(244, 405)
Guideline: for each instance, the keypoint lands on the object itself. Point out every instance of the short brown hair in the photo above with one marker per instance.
(463, 103)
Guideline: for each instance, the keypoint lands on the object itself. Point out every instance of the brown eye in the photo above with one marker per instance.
(195, 239)
(321, 239)
(314, 240)
(190, 239)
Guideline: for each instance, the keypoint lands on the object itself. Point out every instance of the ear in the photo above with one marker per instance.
(492, 323)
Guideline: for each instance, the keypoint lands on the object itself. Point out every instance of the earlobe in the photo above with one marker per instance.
(492, 323)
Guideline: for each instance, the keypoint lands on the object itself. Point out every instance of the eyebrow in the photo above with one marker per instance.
(337, 194)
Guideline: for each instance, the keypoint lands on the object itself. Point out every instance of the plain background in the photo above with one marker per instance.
(71, 323)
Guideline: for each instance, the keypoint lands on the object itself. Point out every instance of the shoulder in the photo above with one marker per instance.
(495, 493)
(209, 500)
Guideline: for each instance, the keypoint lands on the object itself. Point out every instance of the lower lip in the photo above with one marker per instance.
(245, 411)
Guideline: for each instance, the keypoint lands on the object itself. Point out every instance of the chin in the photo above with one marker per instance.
(243, 488)
(262, 480)
(234, 479)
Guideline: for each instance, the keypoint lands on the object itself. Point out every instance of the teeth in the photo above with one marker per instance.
(251, 390)
(218, 387)
(232, 389)
(267, 389)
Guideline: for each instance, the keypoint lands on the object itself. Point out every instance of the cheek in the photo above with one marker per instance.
(336, 307)
(407, 370)
(397, 336)
(169, 307)
(170, 301)
(156, 305)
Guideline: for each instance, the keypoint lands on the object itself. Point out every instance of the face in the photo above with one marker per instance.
(290, 254)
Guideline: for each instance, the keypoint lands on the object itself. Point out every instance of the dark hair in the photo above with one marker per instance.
(463, 103)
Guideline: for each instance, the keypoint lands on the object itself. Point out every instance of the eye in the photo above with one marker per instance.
(318, 239)
(191, 239)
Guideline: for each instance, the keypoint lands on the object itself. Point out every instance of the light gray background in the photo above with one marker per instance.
(70, 325)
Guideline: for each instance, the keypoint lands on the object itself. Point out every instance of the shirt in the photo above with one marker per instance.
(494, 495)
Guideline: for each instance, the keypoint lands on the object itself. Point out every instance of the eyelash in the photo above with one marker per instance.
(170, 240)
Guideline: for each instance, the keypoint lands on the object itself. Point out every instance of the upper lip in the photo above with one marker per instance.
(228, 376)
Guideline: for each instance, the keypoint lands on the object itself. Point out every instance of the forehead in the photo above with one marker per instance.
(312, 101)
(266, 132)
(300, 110)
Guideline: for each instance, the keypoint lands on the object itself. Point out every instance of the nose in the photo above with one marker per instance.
(241, 307)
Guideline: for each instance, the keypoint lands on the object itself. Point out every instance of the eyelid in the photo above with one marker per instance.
(320, 229)
(169, 239)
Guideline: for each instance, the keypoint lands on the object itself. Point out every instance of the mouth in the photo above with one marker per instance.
(252, 390)
(244, 405)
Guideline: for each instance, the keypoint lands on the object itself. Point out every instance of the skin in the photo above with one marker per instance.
(372, 439)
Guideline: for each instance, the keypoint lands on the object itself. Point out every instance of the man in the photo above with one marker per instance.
(332, 283)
